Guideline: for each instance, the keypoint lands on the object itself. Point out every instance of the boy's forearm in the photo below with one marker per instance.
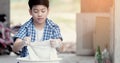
(18, 45)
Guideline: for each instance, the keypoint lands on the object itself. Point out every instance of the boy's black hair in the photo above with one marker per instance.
(32, 3)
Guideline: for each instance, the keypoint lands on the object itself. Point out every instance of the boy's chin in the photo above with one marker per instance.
(40, 22)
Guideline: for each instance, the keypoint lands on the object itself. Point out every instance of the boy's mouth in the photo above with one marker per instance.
(40, 18)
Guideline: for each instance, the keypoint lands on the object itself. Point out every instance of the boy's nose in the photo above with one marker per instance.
(39, 14)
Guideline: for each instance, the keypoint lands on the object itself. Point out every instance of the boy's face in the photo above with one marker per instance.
(39, 13)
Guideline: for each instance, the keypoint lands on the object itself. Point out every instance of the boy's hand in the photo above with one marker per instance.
(55, 43)
(26, 41)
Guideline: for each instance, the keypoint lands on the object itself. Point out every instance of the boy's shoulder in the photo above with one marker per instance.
(50, 23)
(28, 23)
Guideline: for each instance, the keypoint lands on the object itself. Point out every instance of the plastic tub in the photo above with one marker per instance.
(40, 61)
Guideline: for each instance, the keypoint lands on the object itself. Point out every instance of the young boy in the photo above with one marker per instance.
(39, 27)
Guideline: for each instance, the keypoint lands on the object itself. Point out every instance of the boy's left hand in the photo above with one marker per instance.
(55, 43)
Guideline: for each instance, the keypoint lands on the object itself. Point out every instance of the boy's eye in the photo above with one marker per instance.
(43, 11)
(35, 11)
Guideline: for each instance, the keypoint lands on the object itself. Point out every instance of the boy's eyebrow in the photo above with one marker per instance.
(35, 9)
(40, 9)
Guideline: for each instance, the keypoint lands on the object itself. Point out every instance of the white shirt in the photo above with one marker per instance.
(39, 34)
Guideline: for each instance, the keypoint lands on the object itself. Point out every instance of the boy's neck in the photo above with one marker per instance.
(39, 26)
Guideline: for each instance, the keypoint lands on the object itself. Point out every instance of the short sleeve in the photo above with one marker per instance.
(21, 33)
(57, 33)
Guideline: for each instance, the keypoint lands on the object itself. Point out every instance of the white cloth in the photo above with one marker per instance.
(40, 51)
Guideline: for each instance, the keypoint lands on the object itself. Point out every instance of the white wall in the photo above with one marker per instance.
(117, 32)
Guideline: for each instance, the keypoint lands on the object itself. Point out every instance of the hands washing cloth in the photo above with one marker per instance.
(40, 51)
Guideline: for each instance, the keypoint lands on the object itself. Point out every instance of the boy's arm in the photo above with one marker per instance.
(18, 39)
(19, 44)
(56, 41)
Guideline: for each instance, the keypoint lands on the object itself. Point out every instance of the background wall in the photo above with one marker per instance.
(5, 8)
(97, 26)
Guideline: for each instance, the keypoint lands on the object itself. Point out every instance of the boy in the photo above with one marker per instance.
(39, 27)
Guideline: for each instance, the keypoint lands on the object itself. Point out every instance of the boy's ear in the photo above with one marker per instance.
(30, 11)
